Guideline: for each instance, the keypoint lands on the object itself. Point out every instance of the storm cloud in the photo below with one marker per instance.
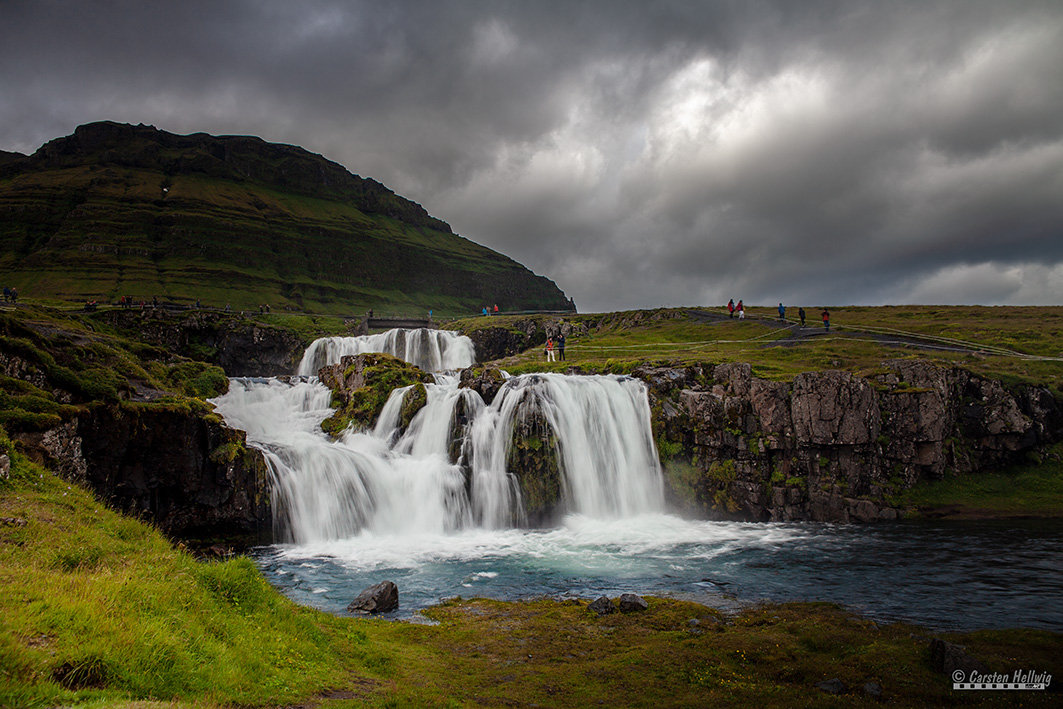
(639, 154)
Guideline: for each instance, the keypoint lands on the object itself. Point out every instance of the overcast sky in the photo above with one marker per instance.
(638, 153)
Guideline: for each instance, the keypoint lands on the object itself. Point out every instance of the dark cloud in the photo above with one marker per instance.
(640, 154)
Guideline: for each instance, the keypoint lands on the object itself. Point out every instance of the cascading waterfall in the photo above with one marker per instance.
(392, 503)
(389, 481)
(431, 350)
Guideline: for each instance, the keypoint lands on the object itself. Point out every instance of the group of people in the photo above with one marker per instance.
(487, 311)
(741, 310)
(10, 294)
(560, 346)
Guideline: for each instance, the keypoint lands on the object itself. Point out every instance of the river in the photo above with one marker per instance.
(387, 505)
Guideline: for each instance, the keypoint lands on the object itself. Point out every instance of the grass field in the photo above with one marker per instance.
(1015, 344)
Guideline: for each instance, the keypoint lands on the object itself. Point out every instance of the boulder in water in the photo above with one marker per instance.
(631, 602)
(380, 598)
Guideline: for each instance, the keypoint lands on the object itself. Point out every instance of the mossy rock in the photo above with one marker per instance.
(414, 400)
(361, 386)
(535, 461)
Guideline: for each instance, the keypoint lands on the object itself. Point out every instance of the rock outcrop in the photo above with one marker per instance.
(378, 598)
(192, 476)
(361, 385)
(832, 446)
(241, 346)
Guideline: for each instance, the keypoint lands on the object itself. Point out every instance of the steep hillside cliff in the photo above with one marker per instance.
(119, 210)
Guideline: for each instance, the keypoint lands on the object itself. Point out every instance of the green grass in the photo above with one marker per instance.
(1034, 490)
(861, 340)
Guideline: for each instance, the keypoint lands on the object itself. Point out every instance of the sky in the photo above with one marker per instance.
(640, 154)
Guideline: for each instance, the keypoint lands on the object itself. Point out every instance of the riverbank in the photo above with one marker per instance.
(98, 609)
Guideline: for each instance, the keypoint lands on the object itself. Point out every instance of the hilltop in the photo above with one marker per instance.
(120, 210)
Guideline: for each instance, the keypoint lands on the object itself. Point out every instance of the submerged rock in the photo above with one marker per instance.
(379, 598)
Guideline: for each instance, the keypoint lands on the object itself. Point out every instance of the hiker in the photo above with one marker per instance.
(782, 311)
(731, 308)
(741, 308)
(801, 314)
(496, 308)
(561, 346)
(550, 350)
(826, 319)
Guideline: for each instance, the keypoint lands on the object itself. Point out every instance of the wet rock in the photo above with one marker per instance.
(534, 460)
(414, 400)
(602, 606)
(485, 382)
(631, 602)
(379, 598)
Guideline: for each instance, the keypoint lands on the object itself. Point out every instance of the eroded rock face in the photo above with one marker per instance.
(832, 446)
(192, 476)
(834, 408)
(242, 347)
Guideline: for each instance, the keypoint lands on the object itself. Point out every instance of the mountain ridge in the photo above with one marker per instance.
(116, 209)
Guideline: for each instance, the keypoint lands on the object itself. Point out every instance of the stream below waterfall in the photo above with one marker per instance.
(387, 504)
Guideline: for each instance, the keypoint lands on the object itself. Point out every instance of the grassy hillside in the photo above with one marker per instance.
(132, 211)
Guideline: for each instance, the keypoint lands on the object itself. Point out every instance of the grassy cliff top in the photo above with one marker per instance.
(1020, 344)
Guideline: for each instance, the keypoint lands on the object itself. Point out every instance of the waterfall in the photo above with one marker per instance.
(390, 481)
(431, 350)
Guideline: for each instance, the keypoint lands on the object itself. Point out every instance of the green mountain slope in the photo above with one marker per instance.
(117, 210)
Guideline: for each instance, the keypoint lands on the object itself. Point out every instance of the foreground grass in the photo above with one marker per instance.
(97, 609)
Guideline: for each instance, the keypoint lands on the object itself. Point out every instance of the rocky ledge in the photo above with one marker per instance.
(831, 446)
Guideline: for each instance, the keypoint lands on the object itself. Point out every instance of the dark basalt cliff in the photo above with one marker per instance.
(829, 446)
(189, 474)
(241, 346)
(832, 446)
